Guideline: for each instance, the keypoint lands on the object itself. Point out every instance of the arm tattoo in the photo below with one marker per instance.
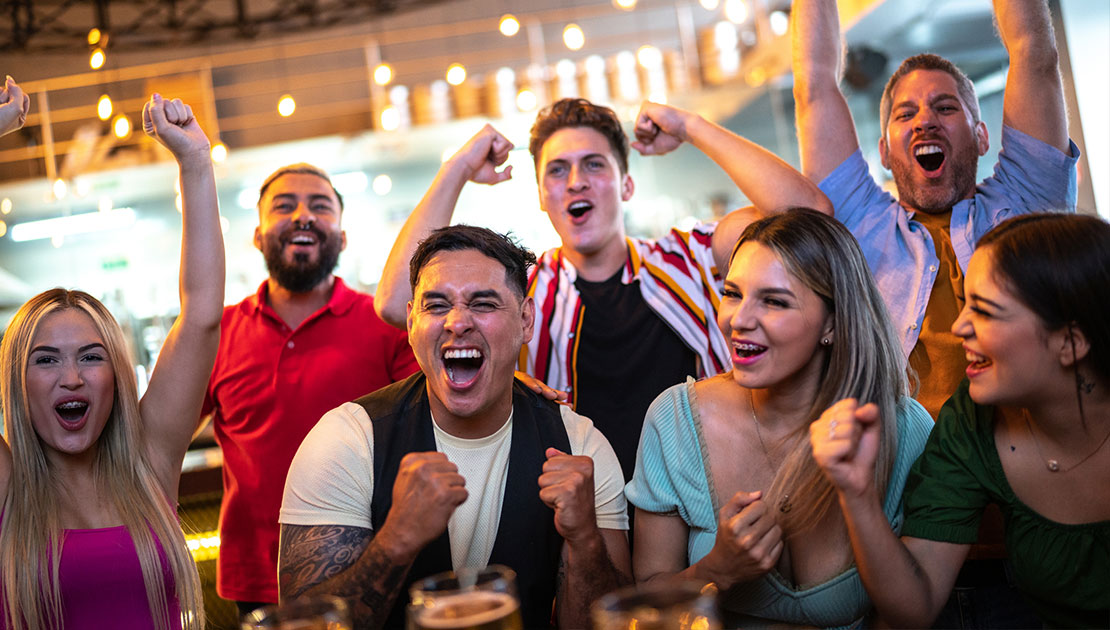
(342, 561)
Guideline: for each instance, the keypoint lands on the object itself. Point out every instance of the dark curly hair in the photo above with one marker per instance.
(516, 259)
(578, 112)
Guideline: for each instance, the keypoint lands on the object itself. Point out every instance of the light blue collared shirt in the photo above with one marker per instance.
(1030, 176)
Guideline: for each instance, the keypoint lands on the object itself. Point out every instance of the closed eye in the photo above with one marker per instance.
(92, 358)
(731, 294)
(775, 302)
(483, 307)
(44, 360)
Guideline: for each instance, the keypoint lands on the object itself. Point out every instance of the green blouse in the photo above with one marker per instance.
(1063, 570)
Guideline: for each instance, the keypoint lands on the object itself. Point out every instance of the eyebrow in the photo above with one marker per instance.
(56, 350)
(763, 291)
(978, 298)
(939, 97)
(312, 197)
(484, 293)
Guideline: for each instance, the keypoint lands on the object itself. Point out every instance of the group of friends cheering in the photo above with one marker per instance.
(841, 407)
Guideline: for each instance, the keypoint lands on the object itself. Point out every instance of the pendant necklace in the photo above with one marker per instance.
(1053, 465)
(784, 505)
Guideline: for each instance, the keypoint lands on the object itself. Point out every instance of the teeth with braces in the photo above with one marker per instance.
(749, 347)
(73, 404)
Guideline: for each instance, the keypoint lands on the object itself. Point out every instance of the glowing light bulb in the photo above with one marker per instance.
(526, 100)
(60, 188)
(383, 74)
(456, 74)
(286, 106)
(94, 36)
(6, 206)
(121, 126)
(626, 5)
(573, 37)
(509, 25)
(736, 11)
(710, 5)
(104, 107)
(649, 56)
(382, 185)
(97, 58)
(780, 22)
(391, 118)
(219, 152)
(3, 229)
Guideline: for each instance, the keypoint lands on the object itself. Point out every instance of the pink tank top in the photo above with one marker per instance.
(102, 581)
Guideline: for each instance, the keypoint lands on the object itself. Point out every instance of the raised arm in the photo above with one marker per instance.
(367, 569)
(173, 400)
(826, 132)
(477, 161)
(908, 580)
(1034, 99)
(14, 106)
(594, 561)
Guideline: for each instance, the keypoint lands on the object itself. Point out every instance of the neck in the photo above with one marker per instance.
(483, 423)
(295, 307)
(600, 265)
(783, 409)
(1059, 419)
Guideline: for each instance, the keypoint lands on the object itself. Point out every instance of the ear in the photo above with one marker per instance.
(1065, 339)
(884, 153)
(528, 317)
(342, 240)
(408, 319)
(258, 237)
(627, 188)
(981, 138)
(829, 329)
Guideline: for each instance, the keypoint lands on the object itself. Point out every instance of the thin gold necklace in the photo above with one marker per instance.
(784, 505)
(1053, 465)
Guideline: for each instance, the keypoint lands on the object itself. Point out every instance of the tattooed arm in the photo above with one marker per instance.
(367, 568)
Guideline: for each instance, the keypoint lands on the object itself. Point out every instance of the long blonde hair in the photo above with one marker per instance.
(865, 361)
(31, 534)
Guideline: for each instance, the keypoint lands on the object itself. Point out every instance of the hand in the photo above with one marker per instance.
(172, 124)
(483, 154)
(845, 442)
(542, 388)
(567, 486)
(427, 491)
(659, 128)
(749, 540)
(14, 106)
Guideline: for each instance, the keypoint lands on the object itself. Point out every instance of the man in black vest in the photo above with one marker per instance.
(458, 465)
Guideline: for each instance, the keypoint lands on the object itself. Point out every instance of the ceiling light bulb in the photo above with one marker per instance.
(219, 152)
(509, 25)
(6, 206)
(780, 22)
(736, 11)
(3, 229)
(104, 107)
(626, 5)
(121, 126)
(94, 36)
(391, 118)
(60, 188)
(573, 37)
(710, 5)
(286, 106)
(526, 100)
(649, 57)
(96, 59)
(382, 185)
(383, 74)
(456, 74)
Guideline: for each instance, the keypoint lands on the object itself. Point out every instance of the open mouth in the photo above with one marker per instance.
(462, 364)
(72, 411)
(579, 208)
(977, 361)
(748, 350)
(930, 157)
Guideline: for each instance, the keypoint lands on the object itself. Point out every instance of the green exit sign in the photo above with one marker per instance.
(113, 264)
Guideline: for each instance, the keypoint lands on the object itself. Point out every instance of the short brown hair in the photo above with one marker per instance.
(301, 168)
(578, 112)
(964, 87)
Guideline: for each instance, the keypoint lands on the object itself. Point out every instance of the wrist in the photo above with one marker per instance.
(397, 543)
(194, 160)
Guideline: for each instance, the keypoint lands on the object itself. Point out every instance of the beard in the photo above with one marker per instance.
(301, 274)
(956, 184)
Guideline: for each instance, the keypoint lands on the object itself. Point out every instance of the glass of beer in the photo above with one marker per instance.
(468, 599)
(308, 613)
(673, 605)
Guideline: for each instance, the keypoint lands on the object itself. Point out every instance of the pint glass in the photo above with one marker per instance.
(308, 613)
(468, 599)
(675, 605)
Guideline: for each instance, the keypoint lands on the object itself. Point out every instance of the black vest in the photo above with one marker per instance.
(526, 538)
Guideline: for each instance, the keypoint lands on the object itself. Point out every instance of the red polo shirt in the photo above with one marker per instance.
(269, 386)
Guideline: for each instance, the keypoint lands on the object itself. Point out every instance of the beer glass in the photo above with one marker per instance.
(468, 599)
(307, 613)
(674, 605)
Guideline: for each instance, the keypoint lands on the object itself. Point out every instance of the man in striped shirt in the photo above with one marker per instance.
(618, 319)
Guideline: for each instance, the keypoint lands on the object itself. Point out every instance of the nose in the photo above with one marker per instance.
(924, 121)
(71, 376)
(302, 216)
(576, 182)
(963, 327)
(743, 317)
(459, 321)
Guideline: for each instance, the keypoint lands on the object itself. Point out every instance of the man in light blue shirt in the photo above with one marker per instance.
(919, 244)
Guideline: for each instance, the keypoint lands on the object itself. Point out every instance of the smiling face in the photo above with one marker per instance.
(931, 144)
(298, 230)
(774, 323)
(70, 383)
(1013, 359)
(582, 190)
(466, 327)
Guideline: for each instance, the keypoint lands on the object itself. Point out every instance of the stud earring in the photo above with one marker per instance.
(825, 341)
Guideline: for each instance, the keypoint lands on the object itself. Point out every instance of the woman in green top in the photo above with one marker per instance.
(1029, 431)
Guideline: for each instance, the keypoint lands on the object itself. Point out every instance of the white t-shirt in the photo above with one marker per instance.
(331, 480)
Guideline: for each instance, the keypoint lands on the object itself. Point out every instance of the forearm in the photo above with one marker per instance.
(202, 248)
(434, 211)
(898, 585)
(1026, 30)
(587, 572)
(770, 183)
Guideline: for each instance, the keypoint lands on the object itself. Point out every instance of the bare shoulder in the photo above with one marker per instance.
(310, 554)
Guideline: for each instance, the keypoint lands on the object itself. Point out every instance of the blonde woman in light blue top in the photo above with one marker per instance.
(726, 489)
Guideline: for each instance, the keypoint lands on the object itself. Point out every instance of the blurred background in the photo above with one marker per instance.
(379, 92)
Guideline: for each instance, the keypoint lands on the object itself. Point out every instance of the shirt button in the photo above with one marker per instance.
(912, 327)
(570, 335)
(932, 267)
(289, 345)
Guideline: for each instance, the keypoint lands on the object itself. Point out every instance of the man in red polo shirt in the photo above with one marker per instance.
(303, 344)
